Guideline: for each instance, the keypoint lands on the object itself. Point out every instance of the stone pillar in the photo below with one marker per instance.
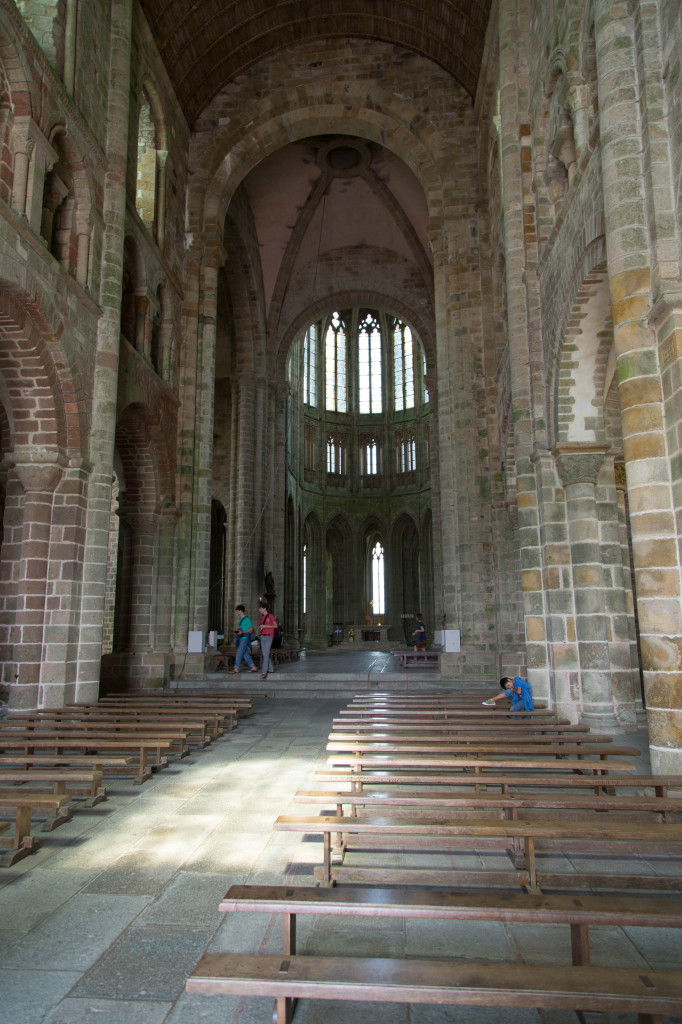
(629, 596)
(104, 399)
(168, 521)
(33, 157)
(197, 388)
(578, 466)
(655, 540)
(514, 26)
(142, 593)
(39, 480)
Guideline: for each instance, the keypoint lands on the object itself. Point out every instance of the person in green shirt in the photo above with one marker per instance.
(243, 636)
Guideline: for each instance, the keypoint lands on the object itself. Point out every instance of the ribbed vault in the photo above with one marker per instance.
(206, 43)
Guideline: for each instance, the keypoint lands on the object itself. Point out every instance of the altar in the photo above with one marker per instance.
(376, 633)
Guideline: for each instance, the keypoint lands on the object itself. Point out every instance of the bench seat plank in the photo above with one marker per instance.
(507, 783)
(63, 781)
(664, 806)
(364, 763)
(607, 989)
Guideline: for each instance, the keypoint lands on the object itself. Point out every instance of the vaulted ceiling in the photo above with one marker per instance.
(206, 43)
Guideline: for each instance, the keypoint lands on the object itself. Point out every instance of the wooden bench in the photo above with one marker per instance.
(417, 713)
(413, 903)
(98, 762)
(93, 745)
(181, 726)
(506, 783)
(367, 763)
(478, 744)
(664, 808)
(63, 781)
(21, 843)
(476, 752)
(578, 912)
(436, 725)
(417, 659)
(95, 729)
(648, 993)
(437, 834)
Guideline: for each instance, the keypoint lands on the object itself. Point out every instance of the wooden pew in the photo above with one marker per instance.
(648, 993)
(64, 781)
(417, 659)
(479, 744)
(437, 834)
(507, 783)
(367, 763)
(91, 745)
(181, 725)
(21, 843)
(436, 725)
(112, 763)
(579, 913)
(663, 808)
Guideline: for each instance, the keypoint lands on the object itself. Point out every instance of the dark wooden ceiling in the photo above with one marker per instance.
(206, 43)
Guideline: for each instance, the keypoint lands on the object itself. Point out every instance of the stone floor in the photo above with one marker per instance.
(107, 920)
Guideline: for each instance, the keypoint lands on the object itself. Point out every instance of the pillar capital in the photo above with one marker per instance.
(38, 471)
(579, 462)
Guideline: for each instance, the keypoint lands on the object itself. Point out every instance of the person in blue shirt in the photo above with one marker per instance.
(517, 690)
(420, 633)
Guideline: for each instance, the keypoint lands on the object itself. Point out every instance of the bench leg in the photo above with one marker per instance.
(327, 855)
(580, 945)
(284, 1010)
(530, 863)
(22, 841)
(289, 938)
(55, 819)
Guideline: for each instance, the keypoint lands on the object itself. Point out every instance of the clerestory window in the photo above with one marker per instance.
(336, 365)
(403, 367)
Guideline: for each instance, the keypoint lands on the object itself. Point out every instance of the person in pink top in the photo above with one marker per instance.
(267, 627)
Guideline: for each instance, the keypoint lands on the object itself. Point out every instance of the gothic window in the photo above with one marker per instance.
(369, 365)
(403, 367)
(370, 465)
(407, 454)
(335, 365)
(336, 455)
(305, 578)
(145, 195)
(377, 599)
(310, 366)
(426, 393)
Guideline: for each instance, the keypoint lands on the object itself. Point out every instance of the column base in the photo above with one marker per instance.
(126, 671)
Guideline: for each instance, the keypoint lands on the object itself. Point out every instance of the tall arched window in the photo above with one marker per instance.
(335, 365)
(310, 366)
(305, 578)
(377, 600)
(145, 192)
(369, 365)
(403, 367)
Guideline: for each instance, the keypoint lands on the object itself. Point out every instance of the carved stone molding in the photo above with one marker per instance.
(579, 462)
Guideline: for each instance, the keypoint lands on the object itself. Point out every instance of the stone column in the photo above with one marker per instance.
(195, 476)
(623, 101)
(627, 578)
(104, 399)
(578, 466)
(514, 26)
(142, 595)
(168, 522)
(39, 480)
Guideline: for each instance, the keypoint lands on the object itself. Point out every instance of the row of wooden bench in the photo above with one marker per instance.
(48, 757)
(421, 792)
